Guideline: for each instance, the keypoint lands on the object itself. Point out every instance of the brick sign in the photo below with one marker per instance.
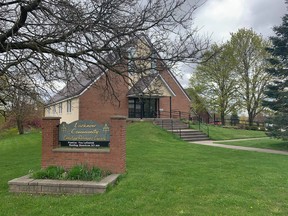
(83, 134)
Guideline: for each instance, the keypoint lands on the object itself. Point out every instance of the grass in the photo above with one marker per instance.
(11, 132)
(267, 143)
(7, 133)
(166, 176)
(220, 133)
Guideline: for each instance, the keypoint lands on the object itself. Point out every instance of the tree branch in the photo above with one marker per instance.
(24, 10)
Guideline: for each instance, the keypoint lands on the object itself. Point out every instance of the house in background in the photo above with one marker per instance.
(153, 93)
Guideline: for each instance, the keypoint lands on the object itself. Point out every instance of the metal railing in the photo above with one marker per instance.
(203, 127)
(187, 118)
(172, 128)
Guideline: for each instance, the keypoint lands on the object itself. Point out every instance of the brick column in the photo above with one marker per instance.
(49, 137)
(118, 143)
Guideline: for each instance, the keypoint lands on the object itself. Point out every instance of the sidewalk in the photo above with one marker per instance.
(211, 143)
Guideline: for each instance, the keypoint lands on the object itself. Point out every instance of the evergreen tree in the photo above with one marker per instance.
(277, 90)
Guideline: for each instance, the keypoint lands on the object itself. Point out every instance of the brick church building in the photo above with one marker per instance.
(153, 93)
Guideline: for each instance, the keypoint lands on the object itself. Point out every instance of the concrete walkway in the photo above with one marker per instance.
(211, 143)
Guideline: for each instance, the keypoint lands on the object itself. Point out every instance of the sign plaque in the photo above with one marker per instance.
(83, 134)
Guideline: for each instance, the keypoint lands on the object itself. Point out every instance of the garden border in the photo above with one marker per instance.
(25, 184)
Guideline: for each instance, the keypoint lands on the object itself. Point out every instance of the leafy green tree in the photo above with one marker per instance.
(217, 80)
(277, 90)
(250, 54)
(198, 104)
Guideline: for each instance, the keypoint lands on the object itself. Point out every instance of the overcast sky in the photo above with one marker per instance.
(219, 18)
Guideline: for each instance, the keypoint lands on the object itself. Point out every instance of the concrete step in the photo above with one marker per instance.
(174, 128)
(191, 135)
(193, 139)
(172, 124)
(181, 129)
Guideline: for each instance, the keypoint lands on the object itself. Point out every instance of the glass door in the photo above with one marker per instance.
(143, 107)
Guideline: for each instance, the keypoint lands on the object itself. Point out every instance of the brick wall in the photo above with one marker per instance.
(103, 100)
(113, 160)
(180, 102)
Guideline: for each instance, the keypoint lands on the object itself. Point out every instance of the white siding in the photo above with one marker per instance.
(65, 116)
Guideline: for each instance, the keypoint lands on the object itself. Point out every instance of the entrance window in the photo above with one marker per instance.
(143, 107)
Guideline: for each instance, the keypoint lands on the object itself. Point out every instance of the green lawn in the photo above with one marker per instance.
(166, 176)
(220, 133)
(8, 133)
(261, 143)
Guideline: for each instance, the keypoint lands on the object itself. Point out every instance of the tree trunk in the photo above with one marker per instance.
(250, 119)
(5, 116)
(222, 118)
(20, 126)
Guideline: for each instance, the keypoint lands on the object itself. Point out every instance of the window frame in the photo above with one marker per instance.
(48, 111)
(69, 106)
(60, 108)
(54, 110)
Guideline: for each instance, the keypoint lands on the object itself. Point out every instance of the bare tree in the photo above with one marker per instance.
(3, 86)
(52, 40)
(22, 103)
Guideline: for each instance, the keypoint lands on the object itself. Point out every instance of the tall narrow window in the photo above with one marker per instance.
(69, 107)
(54, 109)
(154, 62)
(48, 111)
(60, 108)
(131, 55)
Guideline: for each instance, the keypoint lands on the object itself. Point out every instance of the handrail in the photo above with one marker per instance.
(185, 116)
(191, 108)
(176, 114)
(203, 129)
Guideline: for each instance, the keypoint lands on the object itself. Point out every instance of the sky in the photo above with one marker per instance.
(219, 18)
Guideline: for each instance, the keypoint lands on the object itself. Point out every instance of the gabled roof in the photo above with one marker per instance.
(75, 87)
(165, 65)
(139, 87)
(144, 86)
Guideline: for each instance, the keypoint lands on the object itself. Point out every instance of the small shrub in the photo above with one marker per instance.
(54, 172)
(254, 127)
(33, 123)
(51, 172)
(64, 175)
(40, 174)
(96, 173)
(78, 172)
(81, 172)
(241, 126)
